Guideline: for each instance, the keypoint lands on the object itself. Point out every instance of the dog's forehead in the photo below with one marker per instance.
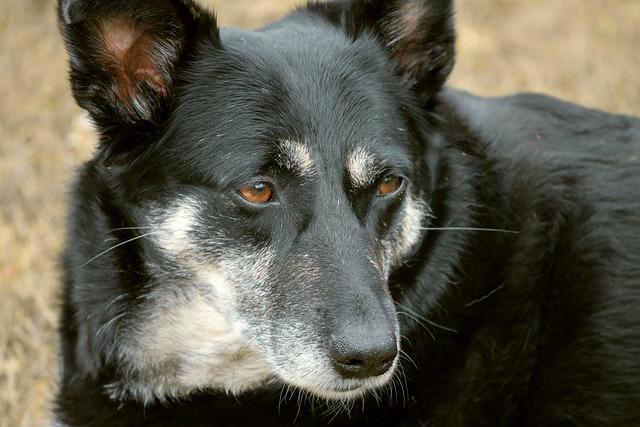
(362, 165)
(307, 98)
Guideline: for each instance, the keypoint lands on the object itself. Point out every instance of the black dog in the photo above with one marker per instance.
(300, 225)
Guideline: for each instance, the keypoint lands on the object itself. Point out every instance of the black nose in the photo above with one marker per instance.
(355, 359)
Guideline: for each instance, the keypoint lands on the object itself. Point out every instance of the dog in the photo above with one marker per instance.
(304, 225)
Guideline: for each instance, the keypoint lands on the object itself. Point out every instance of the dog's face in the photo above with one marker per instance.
(292, 202)
(273, 180)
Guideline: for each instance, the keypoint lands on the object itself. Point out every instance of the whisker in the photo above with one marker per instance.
(415, 319)
(116, 299)
(404, 355)
(299, 402)
(128, 228)
(392, 391)
(399, 380)
(114, 247)
(284, 393)
(339, 407)
(376, 397)
(106, 325)
(412, 314)
(404, 385)
(475, 301)
(437, 325)
(495, 230)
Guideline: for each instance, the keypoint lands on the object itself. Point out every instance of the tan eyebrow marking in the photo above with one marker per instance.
(362, 167)
(296, 157)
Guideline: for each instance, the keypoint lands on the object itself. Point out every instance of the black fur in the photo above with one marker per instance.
(517, 307)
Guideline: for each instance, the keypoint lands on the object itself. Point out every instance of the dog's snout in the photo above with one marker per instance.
(353, 359)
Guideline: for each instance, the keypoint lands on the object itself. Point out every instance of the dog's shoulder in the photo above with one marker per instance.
(583, 161)
(571, 176)
(535, 118)
(541, 140)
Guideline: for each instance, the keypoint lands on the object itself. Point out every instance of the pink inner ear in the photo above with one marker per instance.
(408, 36)
(411, 17)
(119, 36)
(128, 49)
(154, 79)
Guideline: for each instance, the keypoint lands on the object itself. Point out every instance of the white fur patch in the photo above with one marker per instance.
(188, 335)
(411, 229)
(189, 343)
(207, 322)
(175, 224)
(399, 245)
(307, 371)
(296, 157)
(362, 167)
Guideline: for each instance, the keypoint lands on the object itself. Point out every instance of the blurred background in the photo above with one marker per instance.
(584, 51)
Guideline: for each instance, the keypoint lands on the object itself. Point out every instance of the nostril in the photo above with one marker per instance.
(386, 363)
(353, 361)
(350, 368)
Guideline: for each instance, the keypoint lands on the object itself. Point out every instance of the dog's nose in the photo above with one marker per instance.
(353, 359)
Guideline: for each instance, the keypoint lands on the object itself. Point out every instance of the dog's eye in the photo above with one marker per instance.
(389, 185)
(260, 192)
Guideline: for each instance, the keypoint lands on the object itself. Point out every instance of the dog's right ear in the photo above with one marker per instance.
(124, 53)
(418, 35)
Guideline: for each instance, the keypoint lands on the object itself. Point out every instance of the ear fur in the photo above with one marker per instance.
(123, 54)
(419, 35)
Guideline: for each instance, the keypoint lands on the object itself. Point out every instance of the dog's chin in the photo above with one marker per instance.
(339, 394)
(345, 390)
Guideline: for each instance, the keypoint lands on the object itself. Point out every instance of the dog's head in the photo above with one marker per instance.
(258, 188)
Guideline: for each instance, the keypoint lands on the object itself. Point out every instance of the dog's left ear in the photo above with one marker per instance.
(123, 54)
(419, 35)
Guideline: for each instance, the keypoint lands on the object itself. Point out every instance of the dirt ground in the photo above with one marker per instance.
(581, 50)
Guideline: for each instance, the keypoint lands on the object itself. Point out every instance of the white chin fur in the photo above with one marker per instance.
(344, 390)
(192, 338)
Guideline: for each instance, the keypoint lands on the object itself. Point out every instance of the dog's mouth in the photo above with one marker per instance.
(345, 389)
(351, 390)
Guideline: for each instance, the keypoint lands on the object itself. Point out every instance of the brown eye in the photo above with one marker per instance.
(260, 192)
(389, 185)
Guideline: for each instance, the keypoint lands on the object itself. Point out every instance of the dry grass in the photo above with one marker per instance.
(584, 51)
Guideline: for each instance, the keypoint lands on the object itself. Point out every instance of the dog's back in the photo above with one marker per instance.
(300, 225)
(571, 175)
